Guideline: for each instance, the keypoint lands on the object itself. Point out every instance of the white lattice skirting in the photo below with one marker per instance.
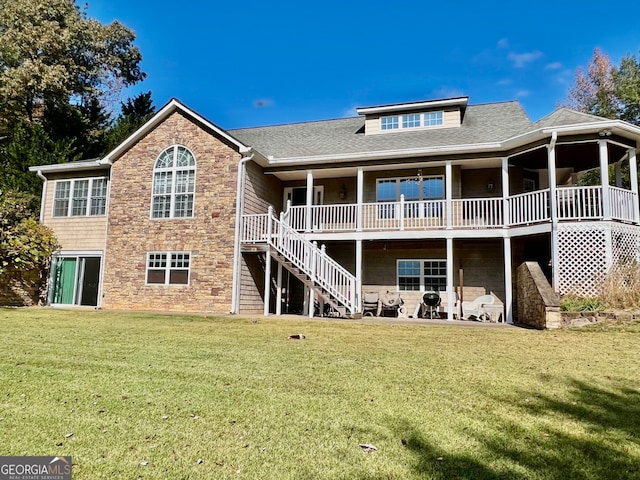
(588, 250)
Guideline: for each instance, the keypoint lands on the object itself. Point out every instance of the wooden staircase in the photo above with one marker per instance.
(330, 281)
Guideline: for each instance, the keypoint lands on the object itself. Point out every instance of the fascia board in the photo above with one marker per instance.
(479, 147)
(71, 166)
(462, 101)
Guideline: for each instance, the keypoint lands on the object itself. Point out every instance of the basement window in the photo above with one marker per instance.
(168, 268)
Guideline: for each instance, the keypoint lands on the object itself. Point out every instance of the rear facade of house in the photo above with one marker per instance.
(402, 199)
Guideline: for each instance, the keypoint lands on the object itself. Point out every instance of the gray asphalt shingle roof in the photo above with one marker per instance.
(485, 123)
(565, 116)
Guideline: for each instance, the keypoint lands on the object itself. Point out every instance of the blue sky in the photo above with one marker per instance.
(251, 63)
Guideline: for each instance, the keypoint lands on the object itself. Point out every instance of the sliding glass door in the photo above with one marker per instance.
(76, 280)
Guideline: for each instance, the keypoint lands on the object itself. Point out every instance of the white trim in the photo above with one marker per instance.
(462, 101)
(174, 169)
(72, 182)
(421, 273)
(167, 268)
(171, 107)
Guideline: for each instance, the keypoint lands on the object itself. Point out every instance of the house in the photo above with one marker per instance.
(440, 194)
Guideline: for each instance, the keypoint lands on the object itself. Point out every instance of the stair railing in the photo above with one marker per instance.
(314, 262)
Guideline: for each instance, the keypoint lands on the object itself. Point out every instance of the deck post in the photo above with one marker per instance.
(360, 196)
(506, 214)
(604, 179)
(267, 282)
(450, 292)
(308, 223)
(279, 293)
(313, 260)
(508, 288)
(555, 255)
(448, 189)
(358, 287)
(633, 176)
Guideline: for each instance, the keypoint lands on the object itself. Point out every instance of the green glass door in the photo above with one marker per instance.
(64, 281)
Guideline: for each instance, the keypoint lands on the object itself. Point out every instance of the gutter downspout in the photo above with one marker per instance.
(42, 204)
(44, 194)
(237, 258)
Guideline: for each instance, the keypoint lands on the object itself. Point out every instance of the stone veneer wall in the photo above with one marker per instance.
(209, 235)
(21, 289)
(538, 304)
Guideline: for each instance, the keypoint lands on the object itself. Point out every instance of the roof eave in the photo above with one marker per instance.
(410, 152)
(97, 164)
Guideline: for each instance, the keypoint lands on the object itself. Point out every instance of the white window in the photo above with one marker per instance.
(80, 197)
(174, 180)
(422, 274)
(432, 119)
(168, 268)
(389, 123)
(412, 120)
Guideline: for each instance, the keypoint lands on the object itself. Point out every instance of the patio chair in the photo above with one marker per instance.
(371, 305)
(391, 302)
(473, 310)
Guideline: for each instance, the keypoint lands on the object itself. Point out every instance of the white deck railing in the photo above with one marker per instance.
(321, 269)
(572, 203)
(530, 207)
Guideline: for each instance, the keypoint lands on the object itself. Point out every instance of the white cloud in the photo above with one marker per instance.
(349, 112)
(523, 93)
(504, 82)
(522, 59)
(448, 92)
(553, 66)
(503, 43)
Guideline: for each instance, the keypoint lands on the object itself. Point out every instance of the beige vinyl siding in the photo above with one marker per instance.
(80, 233)
(451, 118)
(76, 233)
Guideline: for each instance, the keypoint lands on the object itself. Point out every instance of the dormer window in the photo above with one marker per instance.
(389, 123)
(412, 120)
(446, 113)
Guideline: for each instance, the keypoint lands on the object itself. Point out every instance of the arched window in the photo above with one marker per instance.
(174, 181)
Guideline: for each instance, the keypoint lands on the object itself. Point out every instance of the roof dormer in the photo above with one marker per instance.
(403, 117)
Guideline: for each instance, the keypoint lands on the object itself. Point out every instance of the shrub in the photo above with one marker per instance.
(576, 304)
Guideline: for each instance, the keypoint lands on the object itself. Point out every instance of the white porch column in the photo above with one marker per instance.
(508, 288)
(267, 282)
(308, 223)
(506, 215)
(553, 200)
(359, 275)
(633, 178)
(604, 179)
(279, 293)
(448, 182)
(359, 198)
(450, 296)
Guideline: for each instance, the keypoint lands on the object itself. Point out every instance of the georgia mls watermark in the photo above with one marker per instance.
(35, 468)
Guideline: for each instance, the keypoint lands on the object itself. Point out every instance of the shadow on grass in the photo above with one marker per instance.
(593, 435)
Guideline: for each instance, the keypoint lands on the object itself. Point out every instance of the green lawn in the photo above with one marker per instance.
(180, 397)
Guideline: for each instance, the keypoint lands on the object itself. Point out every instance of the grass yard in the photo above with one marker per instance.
(180, 397)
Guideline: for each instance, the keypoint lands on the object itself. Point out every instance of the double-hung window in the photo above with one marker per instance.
(174, 180)
(168, 268)
(422, 274)
(80, 197)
